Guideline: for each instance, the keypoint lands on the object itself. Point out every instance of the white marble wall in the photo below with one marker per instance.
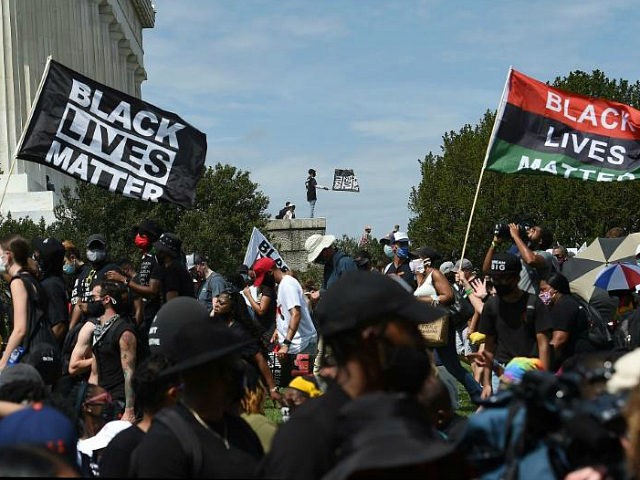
(99, 38)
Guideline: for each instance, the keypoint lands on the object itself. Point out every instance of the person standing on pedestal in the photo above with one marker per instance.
(311, 184)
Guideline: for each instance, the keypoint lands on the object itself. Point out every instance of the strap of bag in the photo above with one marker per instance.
(179, 427)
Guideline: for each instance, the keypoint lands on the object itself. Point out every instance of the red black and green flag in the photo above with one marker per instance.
(544, 130)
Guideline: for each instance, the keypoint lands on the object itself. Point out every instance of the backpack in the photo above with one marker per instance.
(597, 331)
(41, 349)
(625, 334)
(461, 310)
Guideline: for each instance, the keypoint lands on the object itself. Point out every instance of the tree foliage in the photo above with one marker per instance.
(228, 205)
(575, 211)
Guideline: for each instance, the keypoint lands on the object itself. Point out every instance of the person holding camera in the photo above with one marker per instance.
(529, 244)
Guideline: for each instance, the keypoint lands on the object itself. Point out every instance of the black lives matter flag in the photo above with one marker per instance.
(108, 138)
(345, 181)
(544, 130)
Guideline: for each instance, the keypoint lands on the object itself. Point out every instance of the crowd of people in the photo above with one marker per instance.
(163, 367)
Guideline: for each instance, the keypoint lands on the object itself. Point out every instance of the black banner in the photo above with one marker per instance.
(108, 138)
(345, 181)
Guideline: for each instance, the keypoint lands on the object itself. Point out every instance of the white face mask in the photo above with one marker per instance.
(96, 255)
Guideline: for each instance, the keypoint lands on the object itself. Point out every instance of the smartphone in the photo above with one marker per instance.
(416, 265)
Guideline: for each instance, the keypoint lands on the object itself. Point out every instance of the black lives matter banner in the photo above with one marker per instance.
(345, 181)
(108, 138)
(544, 130)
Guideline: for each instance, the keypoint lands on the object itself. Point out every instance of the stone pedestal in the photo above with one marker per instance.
(288, 236)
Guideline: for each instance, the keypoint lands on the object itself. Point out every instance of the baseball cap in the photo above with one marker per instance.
(168, 242)
(20, 372)
(504, 264)
(400, 237)
(466, 265)
(446, 267)
(184, 333)
(40, 425)
(261, 267)
(96, 238)
(360, 298)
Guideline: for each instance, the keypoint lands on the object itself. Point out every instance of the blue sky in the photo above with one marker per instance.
(283, 86)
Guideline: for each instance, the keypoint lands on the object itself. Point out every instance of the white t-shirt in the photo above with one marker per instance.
(289, 296)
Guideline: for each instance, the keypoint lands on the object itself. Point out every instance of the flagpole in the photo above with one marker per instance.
(24, 130)
(496, 123)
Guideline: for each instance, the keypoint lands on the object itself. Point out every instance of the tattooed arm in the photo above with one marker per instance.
(128, 361)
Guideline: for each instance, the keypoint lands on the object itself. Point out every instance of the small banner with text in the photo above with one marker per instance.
(108, 138)
(260, 247)
(345, 181)
(544, 130)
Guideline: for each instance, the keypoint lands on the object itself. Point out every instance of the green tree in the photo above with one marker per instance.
(575, 211)
(228, 204)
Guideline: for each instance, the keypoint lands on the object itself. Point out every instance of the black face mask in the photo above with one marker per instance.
(95, 309)
(406, 367)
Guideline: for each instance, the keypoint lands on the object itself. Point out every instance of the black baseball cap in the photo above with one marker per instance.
(97, 238)
(183, 332)
(168, 242)
(361, 298)
(504, 264)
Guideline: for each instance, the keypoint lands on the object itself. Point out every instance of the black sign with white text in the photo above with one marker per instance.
(345, 181)
(108, 138)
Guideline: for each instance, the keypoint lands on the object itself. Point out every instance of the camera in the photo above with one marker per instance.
(501, 230)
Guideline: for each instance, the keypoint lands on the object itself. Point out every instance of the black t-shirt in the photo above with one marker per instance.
(175, 278)
(107, 353)
(566, 315)
(115, 459)
(515, 336)
(161, 455)
(405, 271)
(311, 188)
(151, 305)
(57, 309)
(303, 447)
(268, 319)
(88, 278)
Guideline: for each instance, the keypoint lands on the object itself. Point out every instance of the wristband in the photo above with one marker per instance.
(286, 342)
(468, 291)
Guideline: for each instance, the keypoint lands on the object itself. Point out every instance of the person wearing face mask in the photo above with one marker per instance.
(99, 265)
(514, 322)
(400, 263)
(321, 250)
(567, 320)
(29, 312)
(73, 266)
(108, 346)
(370, 322)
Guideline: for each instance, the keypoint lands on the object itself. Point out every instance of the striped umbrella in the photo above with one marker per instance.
(582, 269)
(620, 276)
